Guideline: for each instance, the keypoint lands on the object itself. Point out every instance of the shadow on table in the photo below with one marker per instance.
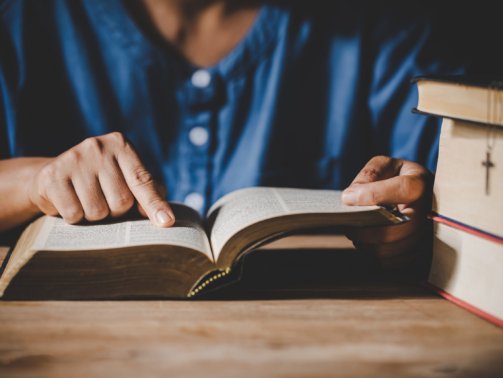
(302, 274)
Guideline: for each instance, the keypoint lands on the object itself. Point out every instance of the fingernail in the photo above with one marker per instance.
(162, 217)
(348, 197)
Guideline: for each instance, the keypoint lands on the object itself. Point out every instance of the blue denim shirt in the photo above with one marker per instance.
(304, 100)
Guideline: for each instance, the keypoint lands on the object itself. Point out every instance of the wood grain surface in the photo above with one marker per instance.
(306, 324)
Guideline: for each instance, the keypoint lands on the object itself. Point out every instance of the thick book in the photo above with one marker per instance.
(467, 269)
(469, 175)
(477, 100)
(468, 183)
(134, 259)
(467, 265)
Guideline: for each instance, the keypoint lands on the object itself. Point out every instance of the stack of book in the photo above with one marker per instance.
(467, 264)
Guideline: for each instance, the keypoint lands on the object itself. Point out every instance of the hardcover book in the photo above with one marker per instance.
(135, 259)
(467, 265)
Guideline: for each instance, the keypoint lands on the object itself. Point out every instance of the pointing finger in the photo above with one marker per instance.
(144, 188)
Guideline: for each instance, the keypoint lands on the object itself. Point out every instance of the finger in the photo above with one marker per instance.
(142, 211)
(385, 251)
(384, 234)
(47, 207)
(63, 197)
(91, 196)
(143, 187)
(115, 189)
(378, 168)
(162, 190)
(412, 257)
(396, 190)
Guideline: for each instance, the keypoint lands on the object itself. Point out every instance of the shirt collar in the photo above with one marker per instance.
(258, 41)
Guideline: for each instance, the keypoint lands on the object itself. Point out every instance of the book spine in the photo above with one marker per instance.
(465, 228)
(461, 303)
(201, 286)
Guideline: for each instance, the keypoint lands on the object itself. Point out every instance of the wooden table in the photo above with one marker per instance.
(326, 316)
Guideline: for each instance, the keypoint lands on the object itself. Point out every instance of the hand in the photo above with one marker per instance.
(388, 181)
(102, 176)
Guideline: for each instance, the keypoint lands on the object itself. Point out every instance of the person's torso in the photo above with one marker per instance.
(287, 107)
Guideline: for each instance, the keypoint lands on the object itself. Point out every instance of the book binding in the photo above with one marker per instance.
(467, 306)
(465, 228)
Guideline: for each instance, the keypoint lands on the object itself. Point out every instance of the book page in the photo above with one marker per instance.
(245, 207)
(54, 234)
(188, 231)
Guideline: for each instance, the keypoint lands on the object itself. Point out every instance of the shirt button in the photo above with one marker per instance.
(201, 79)
(198, 136)
(194, 200)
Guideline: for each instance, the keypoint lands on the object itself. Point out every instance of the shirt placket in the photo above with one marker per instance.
(201, 99)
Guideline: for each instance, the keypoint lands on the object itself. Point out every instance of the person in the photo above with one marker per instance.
(104, 103)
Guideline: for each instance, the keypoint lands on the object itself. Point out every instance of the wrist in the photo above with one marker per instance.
(17, 178)
(28, 177)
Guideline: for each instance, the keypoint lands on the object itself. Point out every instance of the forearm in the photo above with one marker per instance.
(16, 177)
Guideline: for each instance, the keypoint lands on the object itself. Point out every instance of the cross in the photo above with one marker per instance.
(488, 164)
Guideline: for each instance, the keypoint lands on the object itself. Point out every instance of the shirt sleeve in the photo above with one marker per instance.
(405, 47)
(9, 73)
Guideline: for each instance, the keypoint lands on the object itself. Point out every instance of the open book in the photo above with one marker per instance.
(136, 259)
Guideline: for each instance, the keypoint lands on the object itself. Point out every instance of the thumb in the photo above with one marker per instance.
(403, 189)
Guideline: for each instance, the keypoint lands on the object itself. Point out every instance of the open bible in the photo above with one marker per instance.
(135, 259)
